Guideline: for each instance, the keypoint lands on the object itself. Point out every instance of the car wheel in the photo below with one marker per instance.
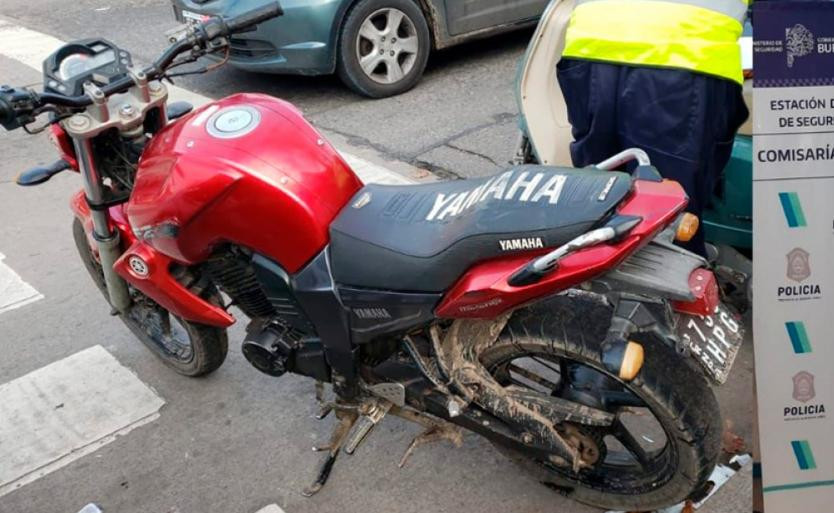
(383, 48)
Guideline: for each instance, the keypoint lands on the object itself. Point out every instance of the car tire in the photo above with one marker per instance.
(377, 59)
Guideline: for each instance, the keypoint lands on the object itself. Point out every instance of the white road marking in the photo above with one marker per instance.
(31, 48)
(272, 508)
(721, 474)
(90, 508)
(66, 410)
(372, 173)
(26, 46)
(14, 292)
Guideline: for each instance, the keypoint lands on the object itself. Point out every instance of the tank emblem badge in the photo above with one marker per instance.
(233, 122)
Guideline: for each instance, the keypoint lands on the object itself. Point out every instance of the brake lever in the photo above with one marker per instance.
(178, 33)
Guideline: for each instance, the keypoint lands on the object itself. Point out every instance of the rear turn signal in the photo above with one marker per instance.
(687, 227)
(632, 361)
(623, 358)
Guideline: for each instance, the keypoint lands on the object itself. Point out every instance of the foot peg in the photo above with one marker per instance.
(367, 414)
(375, 411)
(361, 418)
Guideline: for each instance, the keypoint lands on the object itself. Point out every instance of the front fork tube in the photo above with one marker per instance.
(107, 240)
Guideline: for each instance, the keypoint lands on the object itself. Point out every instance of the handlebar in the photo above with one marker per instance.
(17, 105)
(253, 17)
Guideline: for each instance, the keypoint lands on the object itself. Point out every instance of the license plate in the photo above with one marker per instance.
(192, 17)
(713, 340)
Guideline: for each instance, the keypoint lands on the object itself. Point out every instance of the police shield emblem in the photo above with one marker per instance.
(803, 387)
(799, 266)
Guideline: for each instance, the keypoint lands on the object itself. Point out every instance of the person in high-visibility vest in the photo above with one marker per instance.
(661, 75)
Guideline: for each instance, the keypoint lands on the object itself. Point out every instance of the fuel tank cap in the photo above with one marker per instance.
(233, 122)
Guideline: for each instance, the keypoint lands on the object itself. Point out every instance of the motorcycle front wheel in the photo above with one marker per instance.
(666, 438)
(189, 348)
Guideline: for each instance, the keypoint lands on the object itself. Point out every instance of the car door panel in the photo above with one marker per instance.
(470, 15)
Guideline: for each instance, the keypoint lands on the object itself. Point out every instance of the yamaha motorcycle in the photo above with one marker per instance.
(545, 308)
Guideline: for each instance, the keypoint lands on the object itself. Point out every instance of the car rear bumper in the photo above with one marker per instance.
(302, 41)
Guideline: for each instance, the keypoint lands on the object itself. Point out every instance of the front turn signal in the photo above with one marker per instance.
(687, 227)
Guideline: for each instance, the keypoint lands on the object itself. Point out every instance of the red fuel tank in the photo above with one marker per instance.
(248, 170)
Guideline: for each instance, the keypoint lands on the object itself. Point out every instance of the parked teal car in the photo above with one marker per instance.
(378, 47)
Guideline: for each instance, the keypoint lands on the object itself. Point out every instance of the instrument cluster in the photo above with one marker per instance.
(89, 60)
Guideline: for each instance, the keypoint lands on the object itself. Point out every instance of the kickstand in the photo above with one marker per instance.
(435, 431)
(347, 419)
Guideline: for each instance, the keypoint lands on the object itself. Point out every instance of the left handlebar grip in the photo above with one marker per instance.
(7, 114)
(253, 17)
(16, 107)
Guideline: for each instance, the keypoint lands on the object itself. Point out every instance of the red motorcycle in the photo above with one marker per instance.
(546, 309)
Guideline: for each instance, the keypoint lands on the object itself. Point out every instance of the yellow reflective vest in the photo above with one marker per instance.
(698, 35)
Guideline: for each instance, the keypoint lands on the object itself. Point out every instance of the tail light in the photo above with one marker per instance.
(704, 287)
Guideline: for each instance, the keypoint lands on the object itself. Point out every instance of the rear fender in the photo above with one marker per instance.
(669, 291)
(158, 283)
(662, 269)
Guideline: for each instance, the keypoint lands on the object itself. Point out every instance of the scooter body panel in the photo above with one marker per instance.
(274, 187)
(727, 219)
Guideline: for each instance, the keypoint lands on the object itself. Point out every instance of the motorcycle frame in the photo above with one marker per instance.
(480, 302)
(482, 292)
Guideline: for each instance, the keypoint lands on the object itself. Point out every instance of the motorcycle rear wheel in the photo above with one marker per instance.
(189, 348)
(670, 386)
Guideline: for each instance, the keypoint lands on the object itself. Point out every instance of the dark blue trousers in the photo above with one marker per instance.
(685, 121)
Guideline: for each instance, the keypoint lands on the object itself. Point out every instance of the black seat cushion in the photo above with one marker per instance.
(422, 238)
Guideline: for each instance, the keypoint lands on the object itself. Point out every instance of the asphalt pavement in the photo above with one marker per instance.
(459, 121)
(238, 440)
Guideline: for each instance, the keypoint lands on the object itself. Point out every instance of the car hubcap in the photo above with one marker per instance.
(387, 46)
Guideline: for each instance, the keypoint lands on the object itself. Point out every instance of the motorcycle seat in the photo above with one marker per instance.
(422, 238)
